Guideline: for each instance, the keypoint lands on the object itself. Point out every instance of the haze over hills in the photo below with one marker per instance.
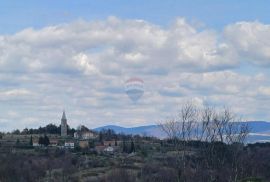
(149, 130)
(260, 131)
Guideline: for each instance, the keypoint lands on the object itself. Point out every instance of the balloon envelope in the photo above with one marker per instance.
(134, 88)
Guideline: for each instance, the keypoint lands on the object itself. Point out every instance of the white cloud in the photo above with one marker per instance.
(16, 95)
(264, 91)
(82, 67)
(115, 44)
(251, 40)
(84, 63)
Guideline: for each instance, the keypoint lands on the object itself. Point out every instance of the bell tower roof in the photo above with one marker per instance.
(64, 116)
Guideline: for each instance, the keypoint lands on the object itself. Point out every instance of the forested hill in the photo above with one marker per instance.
(260, 130)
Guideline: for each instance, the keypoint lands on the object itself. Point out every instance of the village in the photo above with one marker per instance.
(82, 139)
(61, 153)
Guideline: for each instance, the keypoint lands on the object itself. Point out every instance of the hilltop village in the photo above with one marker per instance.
(62, 137)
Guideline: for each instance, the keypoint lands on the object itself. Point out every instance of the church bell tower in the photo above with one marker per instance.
(64, 125)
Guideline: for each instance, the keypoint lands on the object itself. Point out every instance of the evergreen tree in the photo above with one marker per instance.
(18, 142)
(124, 146)
(16, 132)
(91, 144)
(70, 131)
(41, 140)
(31, 141)
(132, 147)
(46, 140)
(101, 137)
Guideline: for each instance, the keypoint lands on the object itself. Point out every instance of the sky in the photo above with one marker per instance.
(77, 56)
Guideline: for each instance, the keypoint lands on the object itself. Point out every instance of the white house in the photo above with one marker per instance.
(69, 145)
(36, 144)
(109, 149)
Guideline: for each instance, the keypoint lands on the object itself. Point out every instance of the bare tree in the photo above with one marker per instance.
(181, 130)
(213, 128)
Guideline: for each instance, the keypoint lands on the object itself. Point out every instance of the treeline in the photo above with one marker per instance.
(19, 167)
(223, 163)
(109, 134)
(48, 129)
(127, 141)
(254, 160)
(175, 159)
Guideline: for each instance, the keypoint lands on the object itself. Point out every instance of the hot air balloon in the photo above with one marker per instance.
(134, 88)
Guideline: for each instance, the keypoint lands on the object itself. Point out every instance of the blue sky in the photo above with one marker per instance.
(77, 56)
(16, 14)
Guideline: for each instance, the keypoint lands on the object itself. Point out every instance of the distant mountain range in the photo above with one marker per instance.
(260, 131)
(150, 130)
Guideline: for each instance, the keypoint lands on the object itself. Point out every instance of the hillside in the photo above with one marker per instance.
(260, 131)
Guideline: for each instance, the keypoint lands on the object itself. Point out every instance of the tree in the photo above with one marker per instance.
(18, 142)
(217, 130)
(70, 131)
(25, 131)
(132, 147)
(119, 175)
(51, 129)
(46, 140)
(91, 144)
(125, 149)
(224, 128)
(100, 137)
(41, 140)
(180, 130)
(16, 132)
(31, 141)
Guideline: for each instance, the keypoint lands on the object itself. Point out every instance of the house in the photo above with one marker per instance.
(53, 143)
(69, 145)
(109, 149)
(83, 144)
(106, 149)
(111, 143)
(100, 148)
(84, 133)
(36, 144)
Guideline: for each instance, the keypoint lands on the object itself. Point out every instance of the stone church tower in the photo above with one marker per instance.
(64, 125)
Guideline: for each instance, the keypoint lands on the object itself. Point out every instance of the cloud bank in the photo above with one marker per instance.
(82, 67)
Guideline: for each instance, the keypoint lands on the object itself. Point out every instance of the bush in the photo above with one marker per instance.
(120, 175)
(251, 180)
(153, 172)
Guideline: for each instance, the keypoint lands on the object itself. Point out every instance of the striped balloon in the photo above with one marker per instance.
(134, 88)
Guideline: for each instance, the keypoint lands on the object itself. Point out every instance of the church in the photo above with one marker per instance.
(82, 132)
(64, 125)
